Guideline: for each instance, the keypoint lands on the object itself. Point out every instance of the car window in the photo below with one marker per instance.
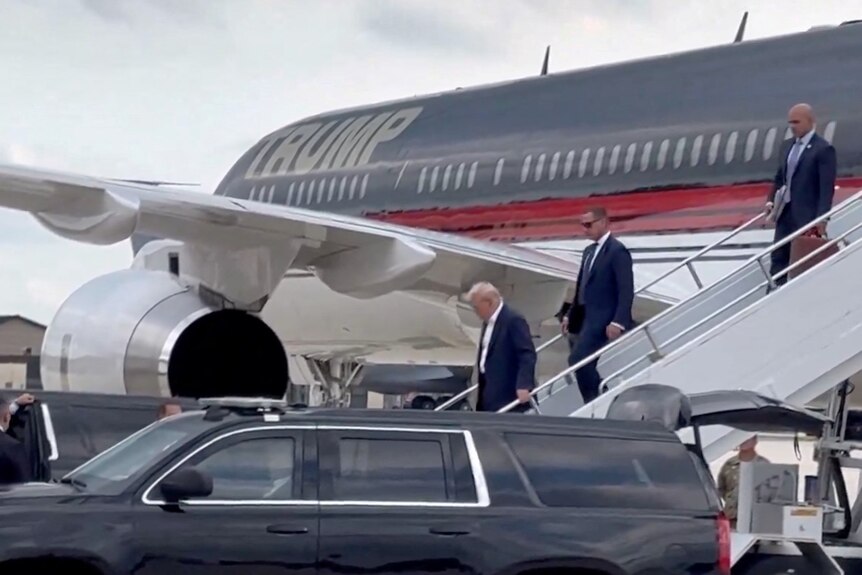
(573, 471)
(408, 470)
(109, 425)
(113, 470)
(252, 469)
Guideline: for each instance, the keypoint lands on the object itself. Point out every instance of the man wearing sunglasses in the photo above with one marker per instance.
(602, 307)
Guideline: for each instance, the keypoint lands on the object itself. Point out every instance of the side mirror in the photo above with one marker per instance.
(185, 483)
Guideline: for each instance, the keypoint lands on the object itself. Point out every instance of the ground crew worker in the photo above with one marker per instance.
(728, 476)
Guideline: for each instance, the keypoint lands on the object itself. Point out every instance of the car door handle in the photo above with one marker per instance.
(448, 531)
(286, 530)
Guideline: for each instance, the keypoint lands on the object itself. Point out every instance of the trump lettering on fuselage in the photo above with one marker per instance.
(330, 145)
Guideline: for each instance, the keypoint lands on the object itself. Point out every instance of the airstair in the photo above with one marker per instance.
(794, 343)
(687, 266)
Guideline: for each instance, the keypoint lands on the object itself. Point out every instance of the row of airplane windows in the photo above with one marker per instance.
(613, 164)
(332, 189)
(453, 176)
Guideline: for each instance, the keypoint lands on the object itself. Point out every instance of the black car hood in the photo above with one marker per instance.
(36, 490)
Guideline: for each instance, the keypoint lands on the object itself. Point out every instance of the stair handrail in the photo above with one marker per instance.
(684, 263)
(644, 327)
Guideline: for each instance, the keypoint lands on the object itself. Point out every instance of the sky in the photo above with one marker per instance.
(177, 91)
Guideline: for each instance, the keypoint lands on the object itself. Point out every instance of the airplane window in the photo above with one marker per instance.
(446, 174)
(713, 149)
(555, 163)
(567, 169)
(353, 186)
(498, 171)
(788, 133)
(582, 167)
(421, 180)
(434, 173)
(750, 142)
(332, 183)
(309, 197)
(525, 169)
(271, 193)
(677, 154)
(662, 154)
(364, 187)
(769, 143)
(300, 193)
(600, 157)
(251, 193)
(459, 176)
(540, 165)
(615, 157)
(341, 188)
(630, 157)
(645, 157)
(471, 177)
(696, 146)
(829, 132)
(730, 149)
(290, 194)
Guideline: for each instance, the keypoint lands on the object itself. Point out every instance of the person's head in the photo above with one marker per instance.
(484, 298)
(749, 445)
(5, 414)
(801, 119)
(595, 222)
(169, 408)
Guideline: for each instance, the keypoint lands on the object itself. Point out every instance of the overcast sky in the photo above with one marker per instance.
(178, 89)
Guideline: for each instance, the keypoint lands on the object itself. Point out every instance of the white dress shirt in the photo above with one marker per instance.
(486, 340)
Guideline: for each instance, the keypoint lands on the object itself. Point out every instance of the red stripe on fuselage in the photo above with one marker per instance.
(659, 211)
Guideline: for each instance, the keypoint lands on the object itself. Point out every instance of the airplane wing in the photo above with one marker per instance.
(241, 249)
(351, 255)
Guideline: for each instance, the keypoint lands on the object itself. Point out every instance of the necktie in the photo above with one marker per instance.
(792, 160)
(588, 261)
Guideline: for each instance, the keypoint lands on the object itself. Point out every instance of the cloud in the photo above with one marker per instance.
(416, 26)
(167, 90)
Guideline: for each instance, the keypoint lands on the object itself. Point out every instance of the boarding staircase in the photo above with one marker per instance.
(794, 343)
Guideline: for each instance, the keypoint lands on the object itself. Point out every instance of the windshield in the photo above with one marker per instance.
(114, 469)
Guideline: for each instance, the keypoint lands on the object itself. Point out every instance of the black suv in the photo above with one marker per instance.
(245, 486)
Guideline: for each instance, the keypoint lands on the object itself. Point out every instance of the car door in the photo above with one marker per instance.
(261, 517)
(398, 501)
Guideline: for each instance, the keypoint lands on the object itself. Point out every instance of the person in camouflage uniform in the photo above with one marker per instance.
(728, 476)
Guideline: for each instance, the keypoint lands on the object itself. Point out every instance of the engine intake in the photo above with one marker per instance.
(143, 333)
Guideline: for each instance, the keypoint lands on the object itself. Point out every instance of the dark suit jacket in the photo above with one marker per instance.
(510, 364)
(14, 466)
(812, 184)
(609, 290)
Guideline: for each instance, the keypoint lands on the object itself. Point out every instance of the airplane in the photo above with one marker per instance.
(349, 238)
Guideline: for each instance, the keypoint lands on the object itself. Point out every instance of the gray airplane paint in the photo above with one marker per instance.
(711, 100)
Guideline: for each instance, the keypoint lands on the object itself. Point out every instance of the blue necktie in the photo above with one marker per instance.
(588, 260)
(792, 160)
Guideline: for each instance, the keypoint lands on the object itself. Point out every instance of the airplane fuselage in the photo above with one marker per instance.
(679, 143)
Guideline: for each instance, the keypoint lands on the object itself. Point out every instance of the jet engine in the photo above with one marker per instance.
(142, 332)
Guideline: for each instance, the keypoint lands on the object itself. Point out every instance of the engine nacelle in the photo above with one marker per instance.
(144, 333)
